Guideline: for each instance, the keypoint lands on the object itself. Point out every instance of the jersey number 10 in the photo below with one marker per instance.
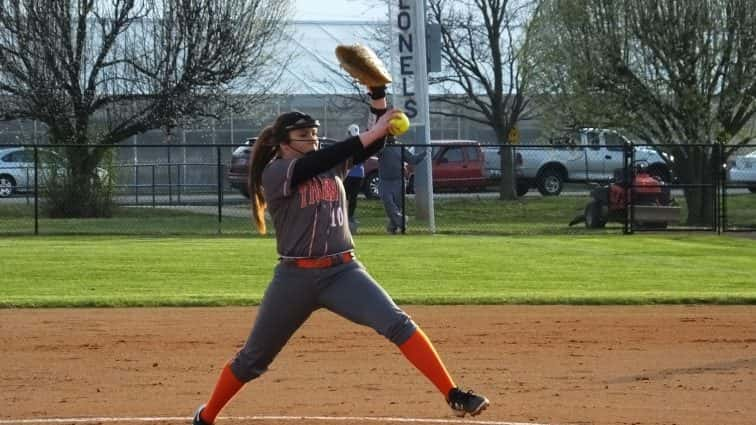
(337, 217)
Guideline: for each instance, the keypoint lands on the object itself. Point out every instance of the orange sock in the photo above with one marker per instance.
(419, 350)
(226, 387)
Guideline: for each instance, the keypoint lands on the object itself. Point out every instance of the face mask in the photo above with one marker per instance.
(317, 144)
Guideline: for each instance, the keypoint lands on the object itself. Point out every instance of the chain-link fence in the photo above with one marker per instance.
(185, 189)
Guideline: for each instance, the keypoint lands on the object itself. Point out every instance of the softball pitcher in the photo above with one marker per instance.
(302, 186)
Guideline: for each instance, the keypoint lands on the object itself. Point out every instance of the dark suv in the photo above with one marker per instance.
(238, 173)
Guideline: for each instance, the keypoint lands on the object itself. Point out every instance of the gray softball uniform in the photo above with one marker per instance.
(310, 222)
(391, 172)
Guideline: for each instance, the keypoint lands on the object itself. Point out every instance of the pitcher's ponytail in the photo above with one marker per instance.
(264, 151)
(262, 154)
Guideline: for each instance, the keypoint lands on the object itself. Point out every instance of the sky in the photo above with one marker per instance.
(339, 10)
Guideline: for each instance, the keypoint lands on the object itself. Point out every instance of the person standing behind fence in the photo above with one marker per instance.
(353, 183)
(391, 173)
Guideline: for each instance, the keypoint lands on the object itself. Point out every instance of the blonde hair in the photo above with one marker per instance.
(262, 154)
(265, 149)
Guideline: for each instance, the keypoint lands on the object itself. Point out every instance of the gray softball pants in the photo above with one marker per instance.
(295, 293)
(391, 195)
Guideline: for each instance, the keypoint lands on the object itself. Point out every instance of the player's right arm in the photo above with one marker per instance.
(316, 162)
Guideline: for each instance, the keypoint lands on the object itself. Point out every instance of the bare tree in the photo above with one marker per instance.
(98, 71)
(675, 72)
(484, 79)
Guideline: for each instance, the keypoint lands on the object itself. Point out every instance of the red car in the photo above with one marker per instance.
(459, 165)
(238, 173)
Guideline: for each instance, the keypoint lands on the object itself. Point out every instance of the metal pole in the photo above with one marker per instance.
(182, 175)
(232, 130)
(179, 184)
(423, 199)
(325, 117)
(220, 188)
(136, 184)
(407, 28)
(629, 199)
(717, 183)
(28, 179)
(170, 180)
(36, 190)
(153, 185)
(136, 170)
(404, 193)
(626, 164)
(723, 185)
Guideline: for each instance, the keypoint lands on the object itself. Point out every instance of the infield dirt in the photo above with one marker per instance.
(684, 365)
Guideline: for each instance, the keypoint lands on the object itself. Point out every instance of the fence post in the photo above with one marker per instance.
(136, 169)
(136, 184)
(153, 185)
(721, 190)
(404, 191)
(170, 179)
(179, 183)
(220, 188)
(627, 163)
(36, 190)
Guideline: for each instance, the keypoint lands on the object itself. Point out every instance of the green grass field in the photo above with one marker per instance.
(66, 271)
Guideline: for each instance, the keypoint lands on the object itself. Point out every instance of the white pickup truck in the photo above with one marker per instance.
(586, 155)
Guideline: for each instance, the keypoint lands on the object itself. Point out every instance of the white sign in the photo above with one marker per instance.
(408, 66)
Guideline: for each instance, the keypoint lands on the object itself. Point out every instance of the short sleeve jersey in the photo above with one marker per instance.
(310, 219)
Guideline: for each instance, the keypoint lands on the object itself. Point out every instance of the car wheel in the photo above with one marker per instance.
(371, 185)
(7, 186)
(550, 183)
(593, 217)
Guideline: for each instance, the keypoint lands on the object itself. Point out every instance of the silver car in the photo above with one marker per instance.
(741, 170)
(17, 169)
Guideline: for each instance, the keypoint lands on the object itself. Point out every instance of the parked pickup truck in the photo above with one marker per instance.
(587, 155)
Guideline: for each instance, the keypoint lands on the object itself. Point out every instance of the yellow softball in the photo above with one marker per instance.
(399, 124)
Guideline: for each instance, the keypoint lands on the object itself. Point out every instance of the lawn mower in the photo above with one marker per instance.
(650, 197)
